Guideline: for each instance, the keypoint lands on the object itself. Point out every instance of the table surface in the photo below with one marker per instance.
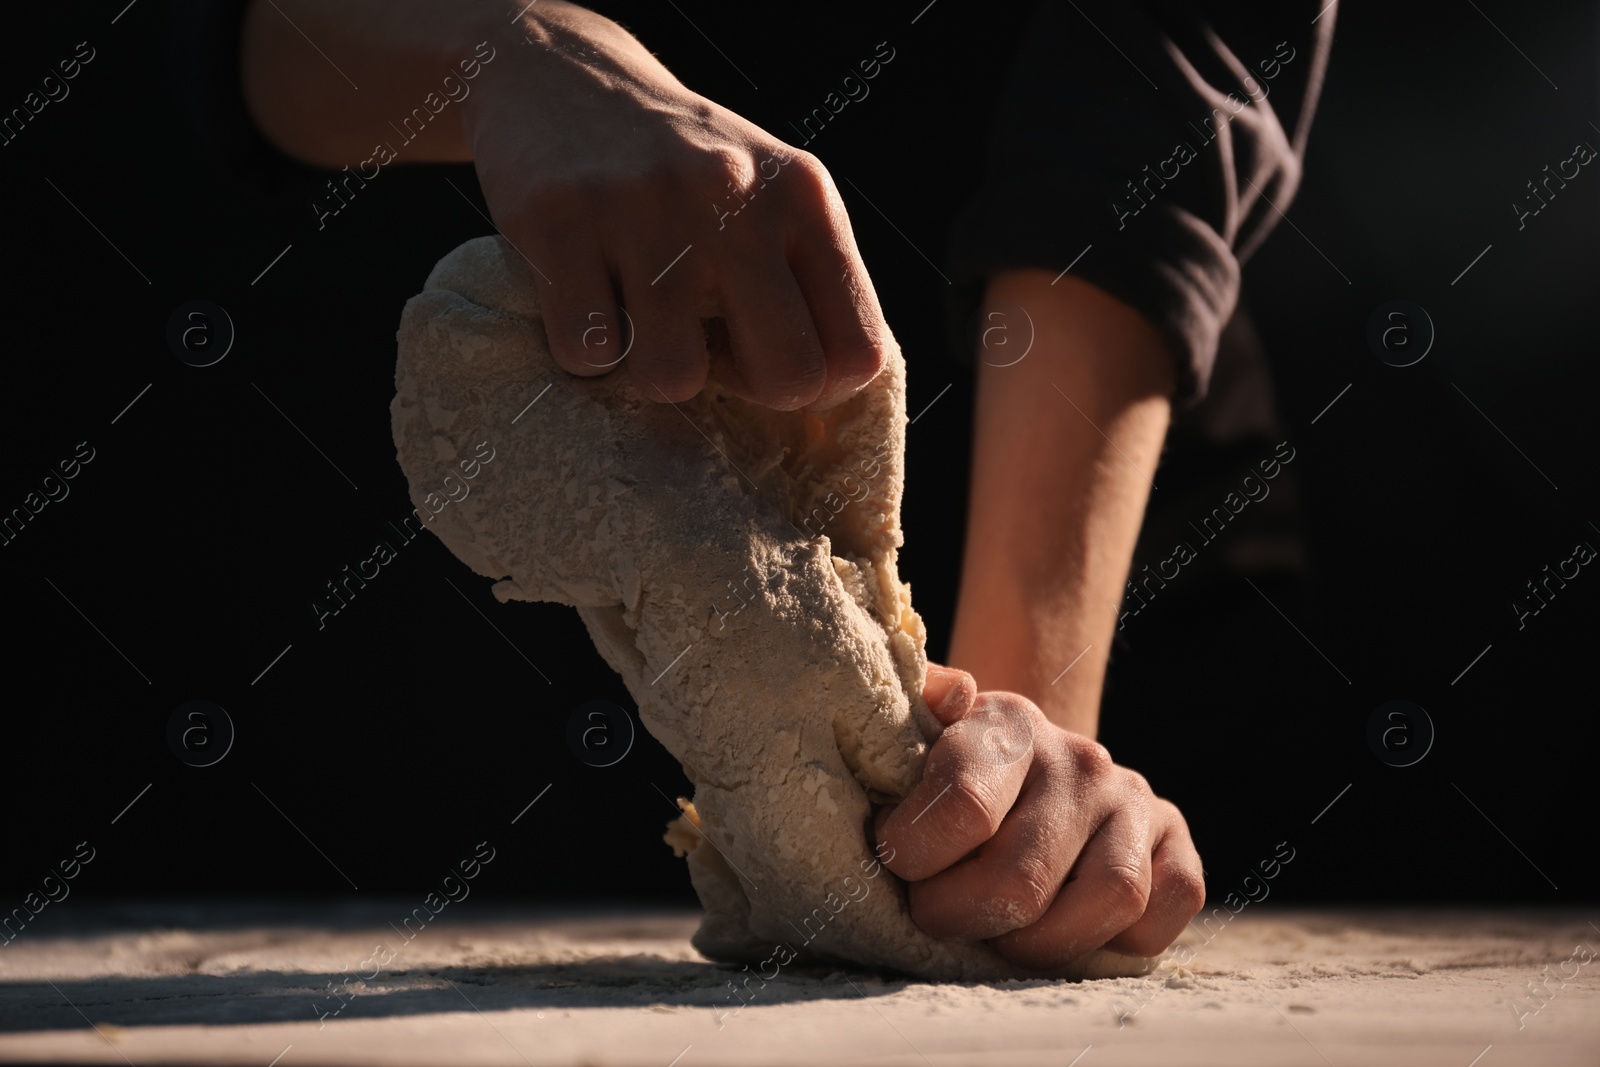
(301, 984)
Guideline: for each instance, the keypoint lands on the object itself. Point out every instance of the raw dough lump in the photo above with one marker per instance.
(736, 566)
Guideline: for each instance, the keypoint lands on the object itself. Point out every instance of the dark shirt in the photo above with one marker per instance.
(1150, 147)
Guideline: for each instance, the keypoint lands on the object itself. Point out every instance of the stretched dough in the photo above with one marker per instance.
(737, 567)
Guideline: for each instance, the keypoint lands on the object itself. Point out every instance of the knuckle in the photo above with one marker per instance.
(1018, 712)
(974, 808)
(999, 733)
(863, 361)
(1026, 894)
(1126, 890)
(811, 176)
(980, 741)
(1093, 759)
(1187, 888)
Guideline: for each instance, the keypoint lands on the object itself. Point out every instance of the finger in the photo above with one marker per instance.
(856, 341)
(669, 356)
(578, 302)
(948, 692)
(1014, 877)
(964, 793)
(1178, 888)
(1106, 894)
(776, 355)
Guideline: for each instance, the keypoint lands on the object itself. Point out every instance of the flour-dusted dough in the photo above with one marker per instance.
(784, 669)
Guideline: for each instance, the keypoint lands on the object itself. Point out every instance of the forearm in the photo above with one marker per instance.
(326, 80)
(1066, 443)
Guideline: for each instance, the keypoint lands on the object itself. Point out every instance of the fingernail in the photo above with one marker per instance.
(957, 691)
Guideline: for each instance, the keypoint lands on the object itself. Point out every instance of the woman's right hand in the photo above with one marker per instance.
(624, 190)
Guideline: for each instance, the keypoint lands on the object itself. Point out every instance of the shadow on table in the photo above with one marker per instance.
(277, 997)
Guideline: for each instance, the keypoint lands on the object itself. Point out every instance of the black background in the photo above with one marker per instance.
(382, 748)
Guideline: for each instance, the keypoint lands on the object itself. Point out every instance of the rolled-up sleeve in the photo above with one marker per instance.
(1149, 148)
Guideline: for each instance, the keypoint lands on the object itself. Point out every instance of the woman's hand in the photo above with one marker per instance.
(1029, 837)
(629, 193)
(645, 209)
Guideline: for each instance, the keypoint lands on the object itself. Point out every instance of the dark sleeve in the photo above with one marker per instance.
(1149, 147)
(203, 64)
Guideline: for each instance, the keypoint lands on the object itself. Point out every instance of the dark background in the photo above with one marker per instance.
(408, 730)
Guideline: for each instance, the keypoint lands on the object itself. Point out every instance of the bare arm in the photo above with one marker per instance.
(602, 168)
(1023, 830)
(1066, 445)
(324, 80)
(605, 172)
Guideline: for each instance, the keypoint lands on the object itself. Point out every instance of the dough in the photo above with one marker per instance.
(737, 567)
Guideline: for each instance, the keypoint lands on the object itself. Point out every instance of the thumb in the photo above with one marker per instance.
(948, 692)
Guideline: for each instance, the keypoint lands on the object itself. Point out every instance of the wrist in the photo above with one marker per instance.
(326, 82)
(560, 57)
(1052, 654)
